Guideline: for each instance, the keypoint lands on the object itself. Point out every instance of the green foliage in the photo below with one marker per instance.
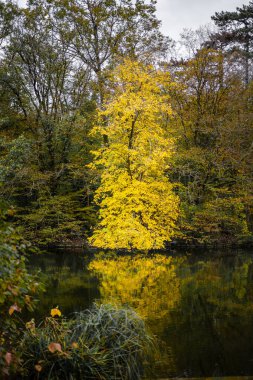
(45, 117)
(235, 33)
(18, 289)
(213, 154)
(103, 343)
(13, 164)
(59, 219)
(221, 221)
(52, 75)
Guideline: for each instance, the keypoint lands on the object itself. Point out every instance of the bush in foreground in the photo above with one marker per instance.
(103, 343)
(18, 290)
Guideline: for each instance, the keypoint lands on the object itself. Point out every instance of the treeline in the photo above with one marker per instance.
(55, 66)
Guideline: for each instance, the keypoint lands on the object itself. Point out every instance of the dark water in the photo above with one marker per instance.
(200, 306)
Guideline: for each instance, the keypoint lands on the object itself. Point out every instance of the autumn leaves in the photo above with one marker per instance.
(138, 207)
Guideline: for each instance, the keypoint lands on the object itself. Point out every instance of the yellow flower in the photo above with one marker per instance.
(55, 312)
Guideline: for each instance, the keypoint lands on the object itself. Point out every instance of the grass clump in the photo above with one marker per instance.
(103, 343)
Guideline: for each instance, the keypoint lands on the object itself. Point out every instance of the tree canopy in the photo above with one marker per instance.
(172, 136)
(138, 208)
(236, 33)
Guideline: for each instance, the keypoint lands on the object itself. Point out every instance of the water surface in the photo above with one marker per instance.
(200, 306)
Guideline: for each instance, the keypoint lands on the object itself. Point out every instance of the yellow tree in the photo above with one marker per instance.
(138, 208)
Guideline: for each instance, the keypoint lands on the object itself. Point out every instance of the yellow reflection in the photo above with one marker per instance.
(148, 284)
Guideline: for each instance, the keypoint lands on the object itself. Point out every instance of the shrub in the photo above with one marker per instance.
(17, 291)
(103, 343)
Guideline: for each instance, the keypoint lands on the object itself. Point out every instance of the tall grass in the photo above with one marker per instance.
(106, 343)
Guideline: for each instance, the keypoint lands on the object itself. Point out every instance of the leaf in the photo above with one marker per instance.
(30, 325)
(27, 299)
(55, 312)
(38, 367)
(13, 291)
(13, 308)
(8, 358)
(54, 347)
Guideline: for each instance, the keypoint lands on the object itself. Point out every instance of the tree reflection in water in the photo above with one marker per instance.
(203, 310)
(199, 306)
(148, 284)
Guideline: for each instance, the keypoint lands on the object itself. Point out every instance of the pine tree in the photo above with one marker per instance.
(236, 32)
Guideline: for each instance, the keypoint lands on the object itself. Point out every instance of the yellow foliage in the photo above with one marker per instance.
(149, 285)
(138, 208)
(55, 312)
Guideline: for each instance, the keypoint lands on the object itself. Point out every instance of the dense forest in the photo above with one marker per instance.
(110, 135)
(114, 136)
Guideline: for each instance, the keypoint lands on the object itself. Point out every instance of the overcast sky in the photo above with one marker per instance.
(179, 14)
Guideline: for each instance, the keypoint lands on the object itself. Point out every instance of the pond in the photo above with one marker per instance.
(199, 306)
